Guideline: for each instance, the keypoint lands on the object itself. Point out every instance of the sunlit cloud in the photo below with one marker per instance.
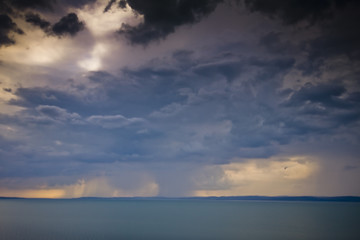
(101, 24)
(36, 48)
(286, 176)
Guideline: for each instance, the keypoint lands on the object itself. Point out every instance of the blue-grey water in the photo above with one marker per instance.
(177, 219)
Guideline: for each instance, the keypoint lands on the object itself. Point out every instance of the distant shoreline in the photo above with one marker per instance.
(242, 198)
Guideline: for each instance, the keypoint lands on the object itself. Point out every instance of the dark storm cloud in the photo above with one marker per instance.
(30, 4)
(340, 36)
(36, 20)
(7, 28)
(109, 5)
(161, 17)
(293, 11)
(76, 3)
(68, 25)
(15, 8)
(122, 4)
(5, 8)
(274, 43)
(326, 94)
(47, 5)
(323, 107)
(337, 21)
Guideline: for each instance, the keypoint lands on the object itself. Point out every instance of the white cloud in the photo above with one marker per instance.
(168, 111)
(58, 114)
(113, 121)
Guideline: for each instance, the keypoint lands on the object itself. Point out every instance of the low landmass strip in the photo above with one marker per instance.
(243, 198)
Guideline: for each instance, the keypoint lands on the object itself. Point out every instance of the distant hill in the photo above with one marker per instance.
(290, 198)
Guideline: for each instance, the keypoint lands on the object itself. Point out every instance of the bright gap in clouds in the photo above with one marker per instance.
(102, 26)
(93, 63)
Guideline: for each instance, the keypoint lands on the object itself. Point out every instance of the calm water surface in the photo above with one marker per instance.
(177, 219)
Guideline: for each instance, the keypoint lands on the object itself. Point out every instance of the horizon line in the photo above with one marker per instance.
(340, 198)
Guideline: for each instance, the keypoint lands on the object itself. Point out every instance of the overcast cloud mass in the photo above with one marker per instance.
(179, 98)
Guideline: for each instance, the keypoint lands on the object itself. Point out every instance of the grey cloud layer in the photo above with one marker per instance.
(196, 112)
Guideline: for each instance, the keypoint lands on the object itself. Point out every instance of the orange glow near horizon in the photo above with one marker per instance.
(33, 193)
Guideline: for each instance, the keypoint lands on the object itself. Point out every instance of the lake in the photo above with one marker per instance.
(177, 219)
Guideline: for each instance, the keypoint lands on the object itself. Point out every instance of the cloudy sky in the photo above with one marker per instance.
(179, 98)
